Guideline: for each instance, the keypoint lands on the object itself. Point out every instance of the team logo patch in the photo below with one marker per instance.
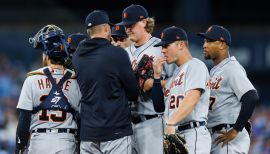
(162, 35)
(177, 37)
(125, 15)
(117, 27)
(209, 29)
(69, 40)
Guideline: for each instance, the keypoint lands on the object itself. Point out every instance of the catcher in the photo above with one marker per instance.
(185, 98)
(49, 99)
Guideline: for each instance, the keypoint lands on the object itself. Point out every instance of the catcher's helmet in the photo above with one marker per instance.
(51, 40)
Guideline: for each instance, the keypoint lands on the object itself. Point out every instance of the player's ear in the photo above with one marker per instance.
(144, 21)
(223, 45)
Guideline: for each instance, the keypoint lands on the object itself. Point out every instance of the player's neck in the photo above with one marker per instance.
(56, 66)
(143, 40)
(221, 57)
(184, 58)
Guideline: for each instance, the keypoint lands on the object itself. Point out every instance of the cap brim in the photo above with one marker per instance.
(162, 43)
(203, 35)
(111, 24)
(126, 23)
(119, 35)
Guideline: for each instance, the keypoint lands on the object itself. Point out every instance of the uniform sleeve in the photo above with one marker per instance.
(196, 77)
(239, 82)
(75, 95)
(26, 96)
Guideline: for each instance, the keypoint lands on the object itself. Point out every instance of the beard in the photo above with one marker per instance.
(207, 57)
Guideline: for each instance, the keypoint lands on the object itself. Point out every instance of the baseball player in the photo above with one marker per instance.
(73, 41)
(233, 97)
(186, 95)
(49, 99)
(119, 36)
(147, 124)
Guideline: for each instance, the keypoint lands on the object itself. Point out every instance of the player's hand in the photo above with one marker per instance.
(169, 130)
(225, 137)
(158, 66)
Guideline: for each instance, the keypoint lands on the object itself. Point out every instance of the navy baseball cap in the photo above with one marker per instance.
(119, 30)
(217, 33)
(133, 14)
(172, 34)
(97, 17)
(75, 39)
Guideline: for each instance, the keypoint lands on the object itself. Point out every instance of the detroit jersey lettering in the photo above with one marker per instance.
(228, 82)
(191, 75)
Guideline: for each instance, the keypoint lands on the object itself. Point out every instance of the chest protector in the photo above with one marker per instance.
(56, 99)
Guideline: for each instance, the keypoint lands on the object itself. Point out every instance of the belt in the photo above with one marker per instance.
(59, 130)
(191, 125)
(221, 126)
(141, 118)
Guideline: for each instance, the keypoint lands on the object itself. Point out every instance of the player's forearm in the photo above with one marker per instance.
(148, 85)
(158, 96)
(22, 134)
(249, 101)
(185, 107)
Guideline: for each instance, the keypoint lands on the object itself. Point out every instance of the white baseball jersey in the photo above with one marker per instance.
(36, 87)
(228, 82)
(191, 75)
(146, 107)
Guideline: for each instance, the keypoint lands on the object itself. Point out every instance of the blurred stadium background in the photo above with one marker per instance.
(248, 21)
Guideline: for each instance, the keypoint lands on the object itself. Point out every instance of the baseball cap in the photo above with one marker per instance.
(133, 14)
(119, 30)
(217, 33)
(97, 17)
(172, 34)
(75, 39)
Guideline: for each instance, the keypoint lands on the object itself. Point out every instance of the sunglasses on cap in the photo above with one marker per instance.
(118, 38)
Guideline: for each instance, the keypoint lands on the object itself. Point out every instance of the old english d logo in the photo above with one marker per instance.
(69, 40)
(209, 29)
(162, 35)
(125, 15)
(117, 27)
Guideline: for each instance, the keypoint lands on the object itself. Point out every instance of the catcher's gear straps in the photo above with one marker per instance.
(56, 99)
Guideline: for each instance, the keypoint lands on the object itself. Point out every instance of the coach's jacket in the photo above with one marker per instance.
(107, 82)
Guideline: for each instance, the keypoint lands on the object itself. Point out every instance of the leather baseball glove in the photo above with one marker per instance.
(174, 144)
(143, 71)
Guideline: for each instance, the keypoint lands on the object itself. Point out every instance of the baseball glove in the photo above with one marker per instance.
(249, 128)
(174, 144)
(144, 70)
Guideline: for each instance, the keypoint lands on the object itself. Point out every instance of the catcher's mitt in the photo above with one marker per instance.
(248, 128)
(174, 144)
(143, 71)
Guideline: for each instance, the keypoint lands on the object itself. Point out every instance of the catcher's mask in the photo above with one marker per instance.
(51, 40)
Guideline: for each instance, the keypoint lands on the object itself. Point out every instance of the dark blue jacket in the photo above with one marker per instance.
(107, 82)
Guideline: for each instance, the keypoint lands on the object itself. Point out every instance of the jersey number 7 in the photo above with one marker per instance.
(212, 101)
